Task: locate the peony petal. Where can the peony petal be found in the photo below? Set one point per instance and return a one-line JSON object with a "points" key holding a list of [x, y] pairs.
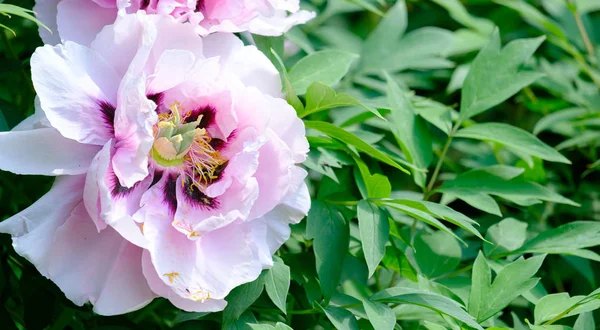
{"points": [[102, 268], [46, 11], [135, 115], [279, 23], [292, 209], [77, 91], [71, 15], [43, 152], [33, 228], [286, 124], [163, 290], [109, 203], [228, 257], [171, 70], [198, 214], [246, 62], [273, 174]]}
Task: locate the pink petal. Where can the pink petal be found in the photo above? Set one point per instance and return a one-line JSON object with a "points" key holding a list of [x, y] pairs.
{"points": [[292, 209], [109, 203], [46, 11], [163, 290], [102, 268], [81, 20], [43, 152], [246, 62], [33, 228], [77, 91], [273, 174], [134, 119], [194, 215]]}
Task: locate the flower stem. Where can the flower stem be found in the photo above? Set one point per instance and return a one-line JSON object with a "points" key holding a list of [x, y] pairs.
{"points": [[582, 31], [436, 172]]}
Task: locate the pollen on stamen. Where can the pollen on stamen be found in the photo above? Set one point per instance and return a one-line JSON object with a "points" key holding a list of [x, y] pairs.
{"points": [[171, 276]]}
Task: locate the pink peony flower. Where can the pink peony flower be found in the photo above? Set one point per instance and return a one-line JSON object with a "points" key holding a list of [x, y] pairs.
{"points": [[81, 20], [176, 163]]}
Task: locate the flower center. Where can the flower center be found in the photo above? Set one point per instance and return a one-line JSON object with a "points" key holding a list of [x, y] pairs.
{"points": [[186, 147]]}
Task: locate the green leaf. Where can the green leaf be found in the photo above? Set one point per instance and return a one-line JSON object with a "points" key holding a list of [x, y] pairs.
{"points": [[460, 14], [514, 138], [433, 301], [494, 75], [487, 298], [436, 253], [506, 235], [277, 283], [290, 95], [374, 233], [419, 212], [421, 49], [182, 316], [265, 44], [568, 239], [299, 38], [25, 13], [3, 123], [441, 212], [242, 323], [240, 298], [378, 47], [585, 321], [278, 326], [381, 316], [351, 139], [395, 260], [534, 17], [549, 121], [340, 318], [502, 181], [376, 185], [561, 305], [326, 66], [478, 200], [331, 235], [411, 131], [321, 97]]}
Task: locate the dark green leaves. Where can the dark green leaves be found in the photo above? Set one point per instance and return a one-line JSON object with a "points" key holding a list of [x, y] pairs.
{"points": [[351, 139], [571, 239], [495, 74], [487, 298], [330, 233], [320, 97], [277, 283], [428, 300], [327, 67], [240, 298], [475, 187], [374, 232], [410, 130], [513, 138]]}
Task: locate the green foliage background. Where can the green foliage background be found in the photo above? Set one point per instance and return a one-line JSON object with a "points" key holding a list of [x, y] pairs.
{"points": [[453, 169]]}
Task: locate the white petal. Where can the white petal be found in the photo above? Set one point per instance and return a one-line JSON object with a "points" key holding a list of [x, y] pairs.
{"points": [[163, 290], [46, 11], [73, 84], [102, 268], [251, 66], [107, 207], [81, 20], [43, 152], [33, 228]]}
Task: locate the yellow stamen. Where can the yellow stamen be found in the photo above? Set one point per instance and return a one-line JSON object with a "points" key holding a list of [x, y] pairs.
{"points": [[171, 276]]}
